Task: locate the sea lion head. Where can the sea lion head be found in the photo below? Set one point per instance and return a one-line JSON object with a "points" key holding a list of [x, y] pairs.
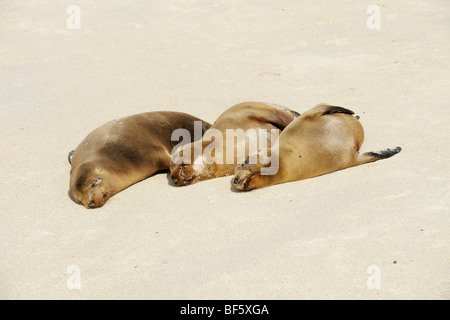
{"points": [[89, 185], [247, 176], [186, 174], [183, 174], [186, 164]]}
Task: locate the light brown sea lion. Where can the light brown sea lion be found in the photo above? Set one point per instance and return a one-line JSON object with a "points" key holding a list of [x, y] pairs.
{"points": [[322, 140], [124, 151], [243, 117]]}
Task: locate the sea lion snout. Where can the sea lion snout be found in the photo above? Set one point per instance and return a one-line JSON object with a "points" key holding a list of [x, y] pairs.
{"points": [[97, 203], [96, 193], [239, 183], [89, 186], [243, 182], [183, 174], [94, 196], [244, 175]]}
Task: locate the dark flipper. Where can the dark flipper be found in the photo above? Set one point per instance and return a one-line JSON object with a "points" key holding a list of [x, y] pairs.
{"points": [[324, 109], [335, 109], [383, 154], [70, 156], [375, 156]]}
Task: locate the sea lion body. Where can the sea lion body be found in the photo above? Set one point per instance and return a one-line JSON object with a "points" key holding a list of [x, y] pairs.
{"points": [[123, 152], [244, 116], [322, 140]]}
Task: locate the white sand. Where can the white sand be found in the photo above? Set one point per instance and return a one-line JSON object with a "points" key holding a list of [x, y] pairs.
{"points": [[302, 240]]}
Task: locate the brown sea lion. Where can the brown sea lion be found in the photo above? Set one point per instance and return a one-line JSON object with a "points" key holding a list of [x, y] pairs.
{"points": [[124, 151], [240, 119], [322, 140]]}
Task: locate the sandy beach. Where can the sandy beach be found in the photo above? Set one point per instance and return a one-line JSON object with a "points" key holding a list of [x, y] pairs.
{"points": [[376, 231]]}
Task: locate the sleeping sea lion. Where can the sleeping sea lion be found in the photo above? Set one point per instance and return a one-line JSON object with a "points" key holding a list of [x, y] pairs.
{"points": [[322, 140], [123, 152], [211, 158]]}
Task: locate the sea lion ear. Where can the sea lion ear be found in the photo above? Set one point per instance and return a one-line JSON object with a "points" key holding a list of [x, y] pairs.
{"points": [[97, 182]]}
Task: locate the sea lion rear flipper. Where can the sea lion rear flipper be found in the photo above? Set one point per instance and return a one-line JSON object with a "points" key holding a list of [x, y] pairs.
{"points": [[324, 109], [336, 109], [375, 156]]}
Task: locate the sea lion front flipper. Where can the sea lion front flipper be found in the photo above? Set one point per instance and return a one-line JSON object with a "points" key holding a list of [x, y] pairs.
{"points": [[277, 115], [324, 109], [70, 156]]}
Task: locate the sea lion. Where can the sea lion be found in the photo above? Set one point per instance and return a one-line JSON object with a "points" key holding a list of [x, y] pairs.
{"points": [[241, 117], [322, 140], [124, 151]]}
